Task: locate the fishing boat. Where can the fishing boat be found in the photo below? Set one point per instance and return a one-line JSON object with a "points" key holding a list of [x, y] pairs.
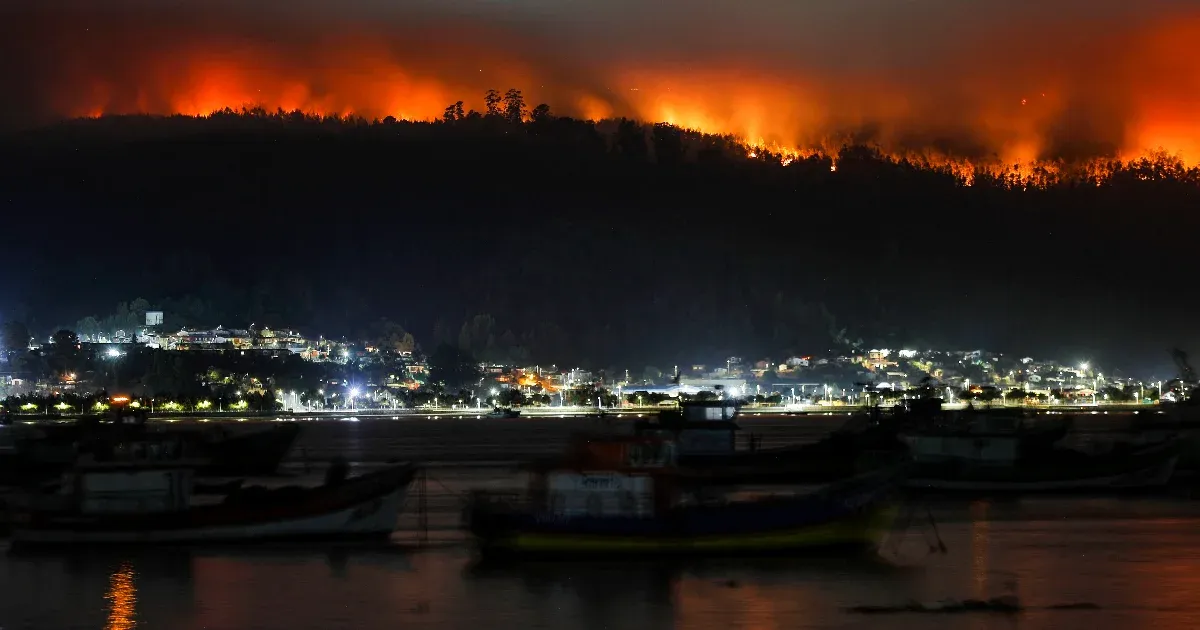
{"points": [[707, 434], [983, 437], [35, 453], [626, 495], [703, 428], [1052, 471], [143, 492], [990, 453]]}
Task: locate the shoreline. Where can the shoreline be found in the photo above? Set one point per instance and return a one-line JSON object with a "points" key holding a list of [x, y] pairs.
{"points": [[565, 412]]}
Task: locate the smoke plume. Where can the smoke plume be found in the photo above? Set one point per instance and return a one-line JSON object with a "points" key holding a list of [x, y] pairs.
{"points": [[1007, 82]]}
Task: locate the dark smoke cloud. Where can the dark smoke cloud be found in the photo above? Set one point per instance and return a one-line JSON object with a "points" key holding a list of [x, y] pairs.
{"points": [[1069, 79]]}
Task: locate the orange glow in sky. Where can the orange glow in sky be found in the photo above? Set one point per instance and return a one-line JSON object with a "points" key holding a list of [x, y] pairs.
{"points": [[1013, 107]]}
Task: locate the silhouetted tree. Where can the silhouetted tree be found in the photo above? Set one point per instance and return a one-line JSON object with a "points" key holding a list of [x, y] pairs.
{"points": [[390, 336], [589, 396], [89, 327], [454, 112], [668, 144], [514, 106], [492, 100], [14, 337], [453, 368], [541, 113], [65, 341], [64, 352], [631, 140], [510, 397]]}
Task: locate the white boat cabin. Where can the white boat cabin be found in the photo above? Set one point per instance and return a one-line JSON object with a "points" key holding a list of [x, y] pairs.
{"points": [[133, 477], [133, 491], [709, 411], [986, 439], [608, 477], [698, 427], [599, 494]]}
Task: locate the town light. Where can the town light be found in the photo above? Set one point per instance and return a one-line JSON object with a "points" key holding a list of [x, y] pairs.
{"points": [[113, 353], [353, 392]]}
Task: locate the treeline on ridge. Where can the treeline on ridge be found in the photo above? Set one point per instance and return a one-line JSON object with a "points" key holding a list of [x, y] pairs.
{"points": [[510, 124]]}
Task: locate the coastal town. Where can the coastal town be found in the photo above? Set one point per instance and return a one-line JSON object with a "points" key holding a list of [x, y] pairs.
{"points": [[261, 369]]}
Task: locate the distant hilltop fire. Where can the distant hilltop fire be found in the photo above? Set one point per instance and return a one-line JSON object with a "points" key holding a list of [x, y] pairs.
{"points": [[1112, 94]]}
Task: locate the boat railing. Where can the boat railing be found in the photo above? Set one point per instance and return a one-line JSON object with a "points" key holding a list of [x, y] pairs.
{"points": [[566, 503]]}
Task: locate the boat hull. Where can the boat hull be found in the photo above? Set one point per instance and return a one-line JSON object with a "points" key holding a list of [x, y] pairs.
{"points": [[861, 533], [853, 513], [1152, 467], [254, 453], [837, 456], [361, 508]]}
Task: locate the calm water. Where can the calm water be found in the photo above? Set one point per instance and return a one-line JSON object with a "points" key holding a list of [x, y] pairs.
{"points": [[1138, 559]]}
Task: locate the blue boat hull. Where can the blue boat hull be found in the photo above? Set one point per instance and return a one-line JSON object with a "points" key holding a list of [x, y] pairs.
{"points": [[855, 513]]}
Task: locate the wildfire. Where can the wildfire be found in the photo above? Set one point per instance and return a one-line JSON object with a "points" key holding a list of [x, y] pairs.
{"points": [[1028, 117]]}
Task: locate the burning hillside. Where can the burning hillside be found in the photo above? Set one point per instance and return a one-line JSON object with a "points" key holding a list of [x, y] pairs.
{"points": [[1042, 95]]}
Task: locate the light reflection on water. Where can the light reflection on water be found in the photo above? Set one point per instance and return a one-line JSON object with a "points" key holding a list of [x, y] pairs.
{"points": [[1138, 559], [979, 549], [122, 599]]}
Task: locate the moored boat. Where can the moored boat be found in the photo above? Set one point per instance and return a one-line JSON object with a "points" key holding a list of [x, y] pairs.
{"points": [[142, 493], [987, 453], [504, 412], [1053, 471], [862, 444], [30, 453], [625, 494]]}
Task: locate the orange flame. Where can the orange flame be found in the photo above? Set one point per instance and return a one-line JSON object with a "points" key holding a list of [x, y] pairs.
{"points": [[1022, 113]]}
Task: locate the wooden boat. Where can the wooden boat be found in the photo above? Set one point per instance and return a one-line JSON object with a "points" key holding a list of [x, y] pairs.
{"points": [[36, 453], [699, 429], [983, 437], [625, 494], [142, 493], [862, 444], [1052, 471], [1009, 453]]}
